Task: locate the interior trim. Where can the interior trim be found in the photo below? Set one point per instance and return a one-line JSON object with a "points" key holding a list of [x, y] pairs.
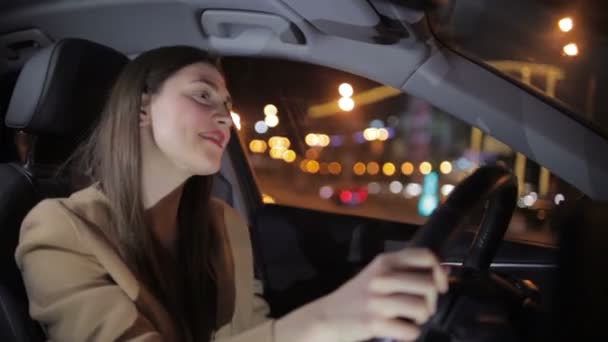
{"points": [[506, 265], [510, 114]]}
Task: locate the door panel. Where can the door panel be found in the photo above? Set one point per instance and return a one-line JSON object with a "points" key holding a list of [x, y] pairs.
{"points": [[303, 254]]}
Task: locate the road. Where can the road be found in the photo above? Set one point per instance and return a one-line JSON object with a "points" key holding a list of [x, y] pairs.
{"points": [[299, 192]]}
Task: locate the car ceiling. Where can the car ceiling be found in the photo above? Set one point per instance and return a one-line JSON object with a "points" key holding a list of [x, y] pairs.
{"points": [[378, 39]]}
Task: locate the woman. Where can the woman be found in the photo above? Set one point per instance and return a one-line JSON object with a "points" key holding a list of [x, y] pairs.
{"points": [[145, 254]]}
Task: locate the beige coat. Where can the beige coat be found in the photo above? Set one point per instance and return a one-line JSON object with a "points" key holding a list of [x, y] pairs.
{"points": [[80, 289]]}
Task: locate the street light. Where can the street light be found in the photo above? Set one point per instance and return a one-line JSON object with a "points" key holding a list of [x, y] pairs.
{"points": [[346, 104], [565, 24], [345, 90], [571, 49]]}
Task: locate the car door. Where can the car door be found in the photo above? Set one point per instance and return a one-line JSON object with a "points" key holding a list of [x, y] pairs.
{"points": [[343, 168]]}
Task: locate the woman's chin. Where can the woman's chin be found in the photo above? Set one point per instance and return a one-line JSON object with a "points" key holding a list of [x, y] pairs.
{"points": [[206, 169]]}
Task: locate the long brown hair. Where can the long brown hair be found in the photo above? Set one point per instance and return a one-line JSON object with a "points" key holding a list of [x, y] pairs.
{"points": [[112, 157]]}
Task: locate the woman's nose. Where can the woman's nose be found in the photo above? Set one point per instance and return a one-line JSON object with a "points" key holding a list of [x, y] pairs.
{"points": [[223, 118]]}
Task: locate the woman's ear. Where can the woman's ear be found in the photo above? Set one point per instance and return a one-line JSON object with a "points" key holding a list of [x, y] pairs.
{"points": [[145, 119]]}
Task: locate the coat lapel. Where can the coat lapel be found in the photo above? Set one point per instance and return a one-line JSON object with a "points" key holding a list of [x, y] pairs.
{"points": [[94, 216], [224, 267], [239, 242]]}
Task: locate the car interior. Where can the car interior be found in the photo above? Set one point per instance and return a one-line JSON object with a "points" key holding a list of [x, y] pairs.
{"points": [[59, 59]]}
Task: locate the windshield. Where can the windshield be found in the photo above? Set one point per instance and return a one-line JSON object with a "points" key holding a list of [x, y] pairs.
{"points": [[558, 48]]}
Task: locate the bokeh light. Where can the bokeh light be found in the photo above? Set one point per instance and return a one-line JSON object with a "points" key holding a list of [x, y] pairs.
{"points": [[445, 167], [268, 199], [289, 156], [373, 188], [566, 24], [395, 187], [571, 49], [345, 90], [428, 203], [312, 153], [335, 168], [279, 142], [389, 169], [426, 168], [271, 110], [412, 190], [446, 189], [370, 134], [359, 168], [261, 127], [312, 166], [315, 139], [346, 104], [530, 199], [324, 140], [382, 134], [312, 139], [277, 152], [326, 192], [271, 120], [257, 146], [373, 168], [407, 168], [377, 123]]}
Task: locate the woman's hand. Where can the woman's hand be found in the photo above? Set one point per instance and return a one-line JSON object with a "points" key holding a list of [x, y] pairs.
{"points": [[397, 285]]}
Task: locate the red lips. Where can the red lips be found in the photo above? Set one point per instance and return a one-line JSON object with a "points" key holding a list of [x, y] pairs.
{"points": [[216, 137]]}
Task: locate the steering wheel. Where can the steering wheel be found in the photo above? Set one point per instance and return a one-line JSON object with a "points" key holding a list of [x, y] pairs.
{"points": [[492, 185], [480, 305]]}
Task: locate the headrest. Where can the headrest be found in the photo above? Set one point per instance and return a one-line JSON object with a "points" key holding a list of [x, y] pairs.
{"points": [[62, 89]]}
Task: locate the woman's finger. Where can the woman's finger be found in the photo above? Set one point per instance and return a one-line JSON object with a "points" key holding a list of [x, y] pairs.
{"points": [[419, 258], [414, 257], [441, 278], [421, 284], [400, 306], [402, 282], [394, 329]]}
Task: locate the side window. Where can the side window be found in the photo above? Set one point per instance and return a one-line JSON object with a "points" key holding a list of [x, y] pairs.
{"points": [[328, 140]]}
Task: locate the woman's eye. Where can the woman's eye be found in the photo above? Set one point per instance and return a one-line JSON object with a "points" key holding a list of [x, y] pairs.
{"points": [[205, 95]]}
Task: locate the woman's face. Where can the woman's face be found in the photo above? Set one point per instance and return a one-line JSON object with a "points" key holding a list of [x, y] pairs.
{"points": [[190, 119]]}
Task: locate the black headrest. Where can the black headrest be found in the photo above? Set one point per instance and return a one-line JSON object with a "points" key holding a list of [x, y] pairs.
{"points": [[62, 89]]}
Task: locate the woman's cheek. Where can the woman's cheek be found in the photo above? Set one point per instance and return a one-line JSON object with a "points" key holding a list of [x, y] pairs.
{"points": [[198, 118]]}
